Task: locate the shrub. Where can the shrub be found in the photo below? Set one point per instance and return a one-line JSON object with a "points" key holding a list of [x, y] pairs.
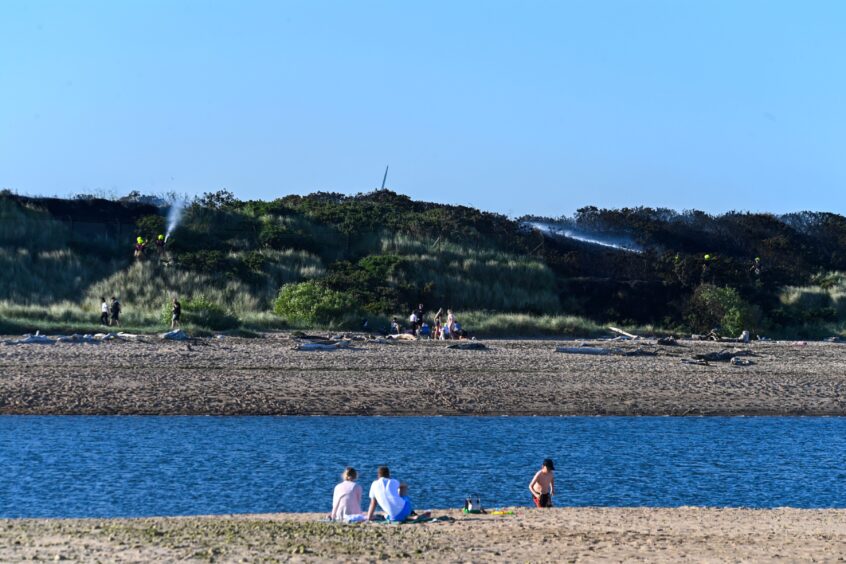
{"points": [[150, 227], [312, 303], [201, 311], [712, 306]]}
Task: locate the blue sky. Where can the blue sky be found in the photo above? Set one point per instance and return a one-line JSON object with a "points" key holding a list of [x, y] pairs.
{"points": [[515, 107]]}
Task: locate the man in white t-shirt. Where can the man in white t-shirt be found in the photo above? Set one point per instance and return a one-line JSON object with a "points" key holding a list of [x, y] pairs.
{"points": [[385, 491]]}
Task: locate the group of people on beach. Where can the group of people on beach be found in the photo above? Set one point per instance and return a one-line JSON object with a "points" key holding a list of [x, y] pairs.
{"points": [[110, 312], [391, 496], [441, 329]]}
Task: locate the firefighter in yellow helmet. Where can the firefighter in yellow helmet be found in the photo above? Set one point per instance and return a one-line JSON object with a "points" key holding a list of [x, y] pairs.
{"points": [[140, 245]]}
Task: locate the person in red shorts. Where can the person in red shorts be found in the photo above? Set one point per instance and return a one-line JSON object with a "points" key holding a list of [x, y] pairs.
{"points": [[542, 485]]}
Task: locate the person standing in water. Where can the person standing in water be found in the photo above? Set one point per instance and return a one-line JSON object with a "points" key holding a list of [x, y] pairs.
{"points": [[175, 313], [542, 485]]}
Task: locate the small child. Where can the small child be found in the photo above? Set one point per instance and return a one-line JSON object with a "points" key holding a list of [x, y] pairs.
{"points": [[542, 485]]}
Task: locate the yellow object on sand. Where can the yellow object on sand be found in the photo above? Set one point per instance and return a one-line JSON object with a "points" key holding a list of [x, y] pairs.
{"points": [[498, 512]]}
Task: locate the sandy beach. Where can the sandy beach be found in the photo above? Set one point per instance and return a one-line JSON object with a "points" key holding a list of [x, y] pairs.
{"points": [[557, 535], [265, 376]]}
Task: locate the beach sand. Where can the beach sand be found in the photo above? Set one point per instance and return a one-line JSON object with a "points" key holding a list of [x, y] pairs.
{"points": [[556, 535], [514, 377]]}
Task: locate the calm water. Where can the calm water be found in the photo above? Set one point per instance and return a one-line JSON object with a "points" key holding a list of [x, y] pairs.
{"points": [[135, 466]]}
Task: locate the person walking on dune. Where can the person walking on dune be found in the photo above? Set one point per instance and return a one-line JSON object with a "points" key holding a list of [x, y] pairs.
{"points": [[104, 312], [175, 314], [542, 485], [115, 312]]}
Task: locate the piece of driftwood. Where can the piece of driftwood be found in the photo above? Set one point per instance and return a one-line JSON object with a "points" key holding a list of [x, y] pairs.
{"points": [[468, 346], [667, 342], [403, 337], [724, 355], [37, 339], [322, 346], [584, 350], [639, 352], [623, 333], [695, 361]]}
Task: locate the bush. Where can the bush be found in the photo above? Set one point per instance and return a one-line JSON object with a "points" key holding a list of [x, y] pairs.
{"points": [[711, 307], [313, 303], [201, 311]]}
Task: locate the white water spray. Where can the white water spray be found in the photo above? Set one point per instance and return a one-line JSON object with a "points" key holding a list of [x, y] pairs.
{"points": [[585, 238], [173, 216]]}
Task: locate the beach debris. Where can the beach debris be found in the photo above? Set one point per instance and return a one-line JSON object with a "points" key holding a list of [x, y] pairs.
{"points": [[584, 350], [834, 339], [694, 361], [107, 336], [724, 355], [175, 335], [130, 336], [737, 361], [37, 339], [403, 337], [640, 351], [623, 333], [468, 346], [744, 337], [79, 339], [602, 351], [307, 337], [667, 342], [332, 346]]}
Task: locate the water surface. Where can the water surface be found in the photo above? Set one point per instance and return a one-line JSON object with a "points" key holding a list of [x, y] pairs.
{"points": [[76, 466]]}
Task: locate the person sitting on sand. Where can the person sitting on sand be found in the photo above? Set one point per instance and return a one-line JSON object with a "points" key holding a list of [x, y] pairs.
{"points": [[390, 495], [346, 499], [542, 485]]}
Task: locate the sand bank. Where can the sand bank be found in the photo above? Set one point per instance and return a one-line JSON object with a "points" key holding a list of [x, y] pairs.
{"points": [[520, 377], [557, 535]]}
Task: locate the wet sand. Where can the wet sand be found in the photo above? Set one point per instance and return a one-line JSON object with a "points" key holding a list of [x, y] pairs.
{"points": [[514, 377], [556, 535]]}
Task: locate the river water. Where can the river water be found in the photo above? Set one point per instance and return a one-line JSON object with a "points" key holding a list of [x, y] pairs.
{"points": [[52, 466]]}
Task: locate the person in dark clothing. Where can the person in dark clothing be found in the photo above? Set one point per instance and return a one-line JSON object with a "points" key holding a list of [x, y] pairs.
{"points": [[419, 314], [175, 313], [115, 311]]}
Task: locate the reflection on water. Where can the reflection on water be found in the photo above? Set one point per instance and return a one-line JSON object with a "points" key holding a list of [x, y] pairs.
{"points": [[132, 466]]}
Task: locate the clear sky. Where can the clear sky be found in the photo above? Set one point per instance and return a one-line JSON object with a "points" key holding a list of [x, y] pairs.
{"points": [[516, 107]]}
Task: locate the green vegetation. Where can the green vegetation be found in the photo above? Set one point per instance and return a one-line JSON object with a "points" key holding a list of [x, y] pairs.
{"points": [[328, 260]]}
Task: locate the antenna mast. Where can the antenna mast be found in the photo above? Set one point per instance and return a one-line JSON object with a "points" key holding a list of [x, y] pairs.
{"points": [[384, 178]]}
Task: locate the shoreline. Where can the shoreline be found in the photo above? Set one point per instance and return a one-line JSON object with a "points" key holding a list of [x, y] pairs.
{"points": [[553, 535], [519, 377]]}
